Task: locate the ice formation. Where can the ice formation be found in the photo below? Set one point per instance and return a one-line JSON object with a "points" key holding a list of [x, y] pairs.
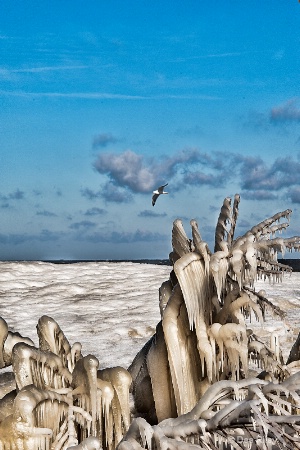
{"points": [[204, 380], [199, 366], [61, 399]]}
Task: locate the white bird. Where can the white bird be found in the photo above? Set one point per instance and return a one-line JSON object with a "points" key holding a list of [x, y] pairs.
{"points": [[158, 192]]}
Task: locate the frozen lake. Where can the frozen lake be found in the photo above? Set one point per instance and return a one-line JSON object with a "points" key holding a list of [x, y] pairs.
{"points": [[112, 308]]}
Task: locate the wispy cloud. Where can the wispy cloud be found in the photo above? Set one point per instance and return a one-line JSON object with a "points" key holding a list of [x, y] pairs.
{"points": [[46, 213], [75, 95], [288, 112], [103, 140], [83, 225], [114, 193], [18, 238], [279, 54], [256, 175], [90, 194], [258, 121], [285, 114], [48, 235], [193, 131], [16, 195], [117, 237], [294, 194], [201, 178], [259, 195], [95, 212], [105, 96], [45, 69], [110, 192], [149, 213], [221, 55], [12, 74], [81, 231], [210, 55]]}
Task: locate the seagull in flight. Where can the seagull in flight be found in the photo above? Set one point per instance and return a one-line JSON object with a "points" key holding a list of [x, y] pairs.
{"points": [[158, 192]]}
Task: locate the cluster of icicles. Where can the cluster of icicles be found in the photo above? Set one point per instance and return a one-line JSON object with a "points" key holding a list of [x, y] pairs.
{"points": [[58, 398], [202, 381]]}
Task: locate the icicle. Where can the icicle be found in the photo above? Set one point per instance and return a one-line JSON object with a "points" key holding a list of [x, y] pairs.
{"points": [[213, 334], [251, 257], [238, 264], [219, 267], [27, 363], [85, 375], [205, 350], [121, 380], [235, 341], [274, 344], [75, 355]]}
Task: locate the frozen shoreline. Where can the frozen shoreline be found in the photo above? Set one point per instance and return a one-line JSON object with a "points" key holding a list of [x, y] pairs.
{"points": [[292, 262]]}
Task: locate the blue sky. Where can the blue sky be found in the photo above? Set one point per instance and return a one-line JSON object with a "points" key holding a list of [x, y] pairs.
{"points": [[101, 102]]}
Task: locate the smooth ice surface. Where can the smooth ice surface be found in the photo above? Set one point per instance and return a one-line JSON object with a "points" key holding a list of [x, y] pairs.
{"points": [[112, 308]]}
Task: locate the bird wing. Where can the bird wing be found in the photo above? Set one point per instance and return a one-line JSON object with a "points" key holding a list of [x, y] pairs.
{"points": [[154, 198], [161, 188]]}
